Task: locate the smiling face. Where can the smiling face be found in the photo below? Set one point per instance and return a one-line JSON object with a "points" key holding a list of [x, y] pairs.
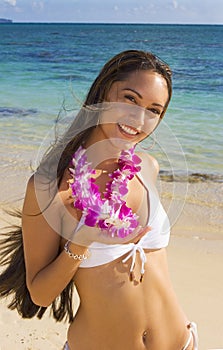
{"points": [[135, 107]]}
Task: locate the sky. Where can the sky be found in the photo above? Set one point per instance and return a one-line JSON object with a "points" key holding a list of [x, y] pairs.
{"points": [[114, 11]]}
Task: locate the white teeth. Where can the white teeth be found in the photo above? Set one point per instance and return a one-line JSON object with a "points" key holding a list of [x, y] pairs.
{"points": [[128, 130]]}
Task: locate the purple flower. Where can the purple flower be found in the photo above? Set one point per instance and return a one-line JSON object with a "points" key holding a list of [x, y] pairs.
{"points": [[109, 213], [91, 217]]}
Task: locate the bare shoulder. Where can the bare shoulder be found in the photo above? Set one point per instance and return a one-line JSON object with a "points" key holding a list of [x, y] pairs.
{"points": [[30, 184], [30, 203], [149, 165], [42, 205]]}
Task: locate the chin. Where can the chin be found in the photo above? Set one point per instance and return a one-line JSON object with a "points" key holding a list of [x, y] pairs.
{"points": [[122, 144]]}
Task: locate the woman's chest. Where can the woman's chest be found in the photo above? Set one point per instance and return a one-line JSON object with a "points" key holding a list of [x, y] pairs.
{"points": [[137, 197], [138, 200]]}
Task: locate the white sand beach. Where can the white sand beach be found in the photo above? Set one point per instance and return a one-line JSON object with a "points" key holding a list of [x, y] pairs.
{"points": [[195, 259]]}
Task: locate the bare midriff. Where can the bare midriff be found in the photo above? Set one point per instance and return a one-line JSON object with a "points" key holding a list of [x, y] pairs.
{"points": [[118, 314]]}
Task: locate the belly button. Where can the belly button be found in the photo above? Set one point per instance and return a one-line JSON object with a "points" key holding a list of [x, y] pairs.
{"points": [[144, 336]]}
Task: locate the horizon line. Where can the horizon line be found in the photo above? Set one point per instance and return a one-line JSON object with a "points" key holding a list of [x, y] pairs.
{"points": [[108, 23]]}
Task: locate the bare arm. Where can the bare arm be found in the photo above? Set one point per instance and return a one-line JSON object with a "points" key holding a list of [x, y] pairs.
{"points": [[48, 270]]}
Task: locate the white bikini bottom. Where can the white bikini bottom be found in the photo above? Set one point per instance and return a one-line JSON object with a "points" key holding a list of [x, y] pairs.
{"points": [[66, 346], [193, 335]]}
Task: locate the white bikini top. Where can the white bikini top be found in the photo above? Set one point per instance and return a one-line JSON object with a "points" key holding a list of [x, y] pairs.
{"points": [[156, 238]]}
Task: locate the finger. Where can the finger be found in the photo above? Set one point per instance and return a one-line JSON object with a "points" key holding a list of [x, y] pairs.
{"points": [[143, 231], [87, 235]]}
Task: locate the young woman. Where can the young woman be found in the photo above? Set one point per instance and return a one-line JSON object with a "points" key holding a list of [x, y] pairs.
{"points": [[92, 217]]}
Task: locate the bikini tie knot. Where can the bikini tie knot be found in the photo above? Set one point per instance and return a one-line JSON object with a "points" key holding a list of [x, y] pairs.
{"points": [[136, 248]]}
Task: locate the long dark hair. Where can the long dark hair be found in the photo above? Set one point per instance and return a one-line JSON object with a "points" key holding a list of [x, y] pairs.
{"points": [[13, 277]]}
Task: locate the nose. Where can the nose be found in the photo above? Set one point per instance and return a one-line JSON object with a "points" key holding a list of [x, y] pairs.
{"points": [[137, 117]]}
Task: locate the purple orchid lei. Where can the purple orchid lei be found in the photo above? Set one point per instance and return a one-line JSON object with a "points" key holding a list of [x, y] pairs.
{"points": [[109, 213]]}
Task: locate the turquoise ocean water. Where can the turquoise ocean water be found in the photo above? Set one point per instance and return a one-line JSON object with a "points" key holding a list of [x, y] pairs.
{"points": [[43, 65]]}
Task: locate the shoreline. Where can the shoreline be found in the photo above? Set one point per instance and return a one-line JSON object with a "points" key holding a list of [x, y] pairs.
{"points": [[179, 160], [191, 177]]}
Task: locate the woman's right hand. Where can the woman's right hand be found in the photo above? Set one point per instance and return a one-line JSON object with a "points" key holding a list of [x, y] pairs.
{"points": [[86, 235]]}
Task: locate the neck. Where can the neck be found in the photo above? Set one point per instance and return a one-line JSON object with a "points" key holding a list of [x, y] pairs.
{"points": [[107, 167], [102, 154]]}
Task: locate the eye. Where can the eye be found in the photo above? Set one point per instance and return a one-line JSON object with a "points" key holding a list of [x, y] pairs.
{"points": [[155, 111], [130, 98]]}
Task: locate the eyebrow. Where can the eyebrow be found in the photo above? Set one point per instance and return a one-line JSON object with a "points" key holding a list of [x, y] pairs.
{"points": [[140, 96]]}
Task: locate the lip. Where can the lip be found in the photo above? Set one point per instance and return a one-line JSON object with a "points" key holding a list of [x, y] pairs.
{"points": [[127, 131]]}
